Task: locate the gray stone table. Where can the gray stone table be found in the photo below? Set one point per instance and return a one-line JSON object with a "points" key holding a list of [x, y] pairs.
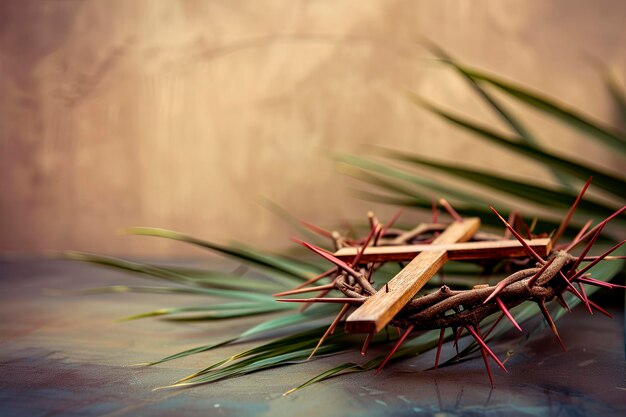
{"points": [[65, 356]]}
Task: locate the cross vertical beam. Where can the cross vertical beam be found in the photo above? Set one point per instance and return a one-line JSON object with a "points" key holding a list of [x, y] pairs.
{"points": [[375, 313]]}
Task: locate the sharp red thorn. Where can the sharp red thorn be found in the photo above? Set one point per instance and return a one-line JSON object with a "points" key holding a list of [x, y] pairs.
{"points": [[546, 315], [395, 348], [601, 310], [316, 229], [316, 278], [366, 344], [529, 235], [482, 343], [330, 329], [493, 326], [439, 345], [304, 290], [598, 259], [584, 294], [451, 211], [518, 237], [508, 313], [570, 213], [435, 212], [392, 221], [323, 300], [606, 258], [329, 257], [511, 221], [319, 297], [562, 301], [593, 230], [571, 287], [535, 277], [375, 231], [456, 338], [484, 355], [501, 285], [583, 230], [587, 248], [598, 283]]}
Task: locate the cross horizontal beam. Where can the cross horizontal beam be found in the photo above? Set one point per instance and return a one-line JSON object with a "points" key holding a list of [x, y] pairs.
{"points": [[456, 251]]}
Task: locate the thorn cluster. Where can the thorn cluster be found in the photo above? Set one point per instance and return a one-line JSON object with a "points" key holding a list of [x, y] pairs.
{"points": [[548, 279]]}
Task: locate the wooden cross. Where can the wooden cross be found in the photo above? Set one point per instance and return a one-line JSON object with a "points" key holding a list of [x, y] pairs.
{"points": [[425, 260]]}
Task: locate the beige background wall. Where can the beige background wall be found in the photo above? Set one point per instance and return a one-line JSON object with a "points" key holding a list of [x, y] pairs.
{"points": [[180, 113]]}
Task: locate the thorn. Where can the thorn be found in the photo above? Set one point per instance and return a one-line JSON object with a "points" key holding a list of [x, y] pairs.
{"points": [[571, 287], [392, 221], [601, 310], [329, 257], [444, 203], [484, 355], [493, 326], [316, 278], [529, 234], [583, 230], [323, 300], [598, 259], [586, 250], [316, 229], [570, 213], [318, 299], [518, 237], [482, 343], [375, 231], [535, 277], [435, 211], [606, 258], [372, 219], [330, 329], [511, 220], [395, 348], [593, 230], [596, 282], [439, 345], [562, 301], [304, 290], [508, 313], [368, 339], [456, 339], [584, 294], [546, 315], [501, 285]]}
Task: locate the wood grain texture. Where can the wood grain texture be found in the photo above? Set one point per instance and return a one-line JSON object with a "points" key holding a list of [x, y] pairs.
{"points": [[456, 251], [381, 307]]}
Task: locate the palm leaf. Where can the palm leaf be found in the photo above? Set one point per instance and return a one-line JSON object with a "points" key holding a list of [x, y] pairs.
{"points": [[542, 196], [499, 109], [284, 270], [602, 179], [610, 136]]}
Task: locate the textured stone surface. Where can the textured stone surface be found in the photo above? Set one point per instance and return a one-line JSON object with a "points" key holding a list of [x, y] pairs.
{"points": [[63, 356]]}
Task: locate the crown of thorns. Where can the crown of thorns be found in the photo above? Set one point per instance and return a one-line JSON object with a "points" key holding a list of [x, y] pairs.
{"points": [[534, 278]]}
